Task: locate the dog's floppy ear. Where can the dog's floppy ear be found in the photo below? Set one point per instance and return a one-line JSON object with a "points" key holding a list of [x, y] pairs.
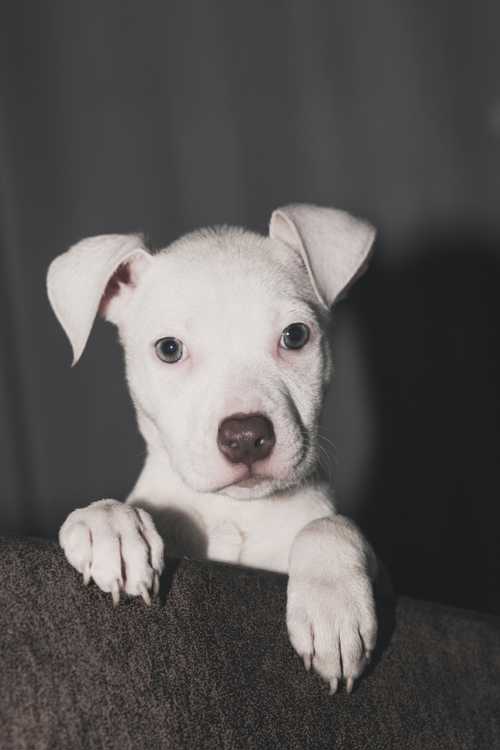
{"points": [[96, 274], [335, 246]]}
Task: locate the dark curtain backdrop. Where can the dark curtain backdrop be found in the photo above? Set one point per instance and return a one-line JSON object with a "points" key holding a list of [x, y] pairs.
{"points": [[160, 117]]}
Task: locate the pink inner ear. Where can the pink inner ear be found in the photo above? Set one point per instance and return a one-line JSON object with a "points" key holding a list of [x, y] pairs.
{"points": [[122, 275]]}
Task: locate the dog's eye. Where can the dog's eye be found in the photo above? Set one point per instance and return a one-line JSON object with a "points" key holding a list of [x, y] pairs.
{"points": [[169, 349], [295, 336]]}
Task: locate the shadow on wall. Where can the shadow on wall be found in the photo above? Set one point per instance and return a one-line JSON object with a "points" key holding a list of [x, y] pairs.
{"points": [[431, 342]]}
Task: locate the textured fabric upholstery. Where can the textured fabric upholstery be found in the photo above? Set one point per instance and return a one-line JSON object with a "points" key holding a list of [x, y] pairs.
{"points": [[209, 666]]}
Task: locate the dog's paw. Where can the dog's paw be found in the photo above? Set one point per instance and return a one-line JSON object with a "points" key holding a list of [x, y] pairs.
{"points": [[117, 546], [332, 625]]}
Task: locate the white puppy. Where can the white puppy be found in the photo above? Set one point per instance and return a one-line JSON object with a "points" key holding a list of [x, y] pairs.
{"points": [[227, 361]]}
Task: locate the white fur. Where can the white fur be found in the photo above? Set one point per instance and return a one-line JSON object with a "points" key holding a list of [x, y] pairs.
{"points": [[228, 294]]}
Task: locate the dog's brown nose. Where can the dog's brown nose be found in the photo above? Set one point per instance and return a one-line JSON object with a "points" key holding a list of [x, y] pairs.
{"points": [[246, 438]]}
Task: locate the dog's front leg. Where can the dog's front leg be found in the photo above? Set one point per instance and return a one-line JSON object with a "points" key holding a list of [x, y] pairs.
{"points": [[330, 609], [117, 546]]}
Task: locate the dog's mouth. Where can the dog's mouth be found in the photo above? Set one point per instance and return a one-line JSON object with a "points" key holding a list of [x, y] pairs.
{"points": [[252, 480], [256, 480], [248, 481]]}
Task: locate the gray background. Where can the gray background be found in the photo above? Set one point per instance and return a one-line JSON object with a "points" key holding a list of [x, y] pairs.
{"points": [[164, 116]]}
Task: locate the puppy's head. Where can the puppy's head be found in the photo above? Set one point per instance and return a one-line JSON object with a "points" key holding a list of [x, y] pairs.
{"points": [[224, 338]]}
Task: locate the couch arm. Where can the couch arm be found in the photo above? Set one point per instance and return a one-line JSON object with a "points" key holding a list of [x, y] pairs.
{"points": [[209, 666]]}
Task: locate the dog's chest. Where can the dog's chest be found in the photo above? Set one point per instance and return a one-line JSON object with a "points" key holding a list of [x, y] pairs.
{"points": [[237, 544], [257, 533], [261, 533]]}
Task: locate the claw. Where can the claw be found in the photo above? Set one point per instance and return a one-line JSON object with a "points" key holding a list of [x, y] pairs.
{"points": [[86, 574], [349, 684], [145, 594], [115, 593], [307, 661], [156, 584], [334, 683]]}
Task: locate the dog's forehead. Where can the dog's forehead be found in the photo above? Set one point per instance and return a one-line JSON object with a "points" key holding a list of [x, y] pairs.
{"points": [[226, 268], [219, 252]]}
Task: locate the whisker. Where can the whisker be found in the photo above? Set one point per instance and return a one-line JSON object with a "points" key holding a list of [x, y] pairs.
{"points": [[330, 446], [327, 440], [324, 461]]}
